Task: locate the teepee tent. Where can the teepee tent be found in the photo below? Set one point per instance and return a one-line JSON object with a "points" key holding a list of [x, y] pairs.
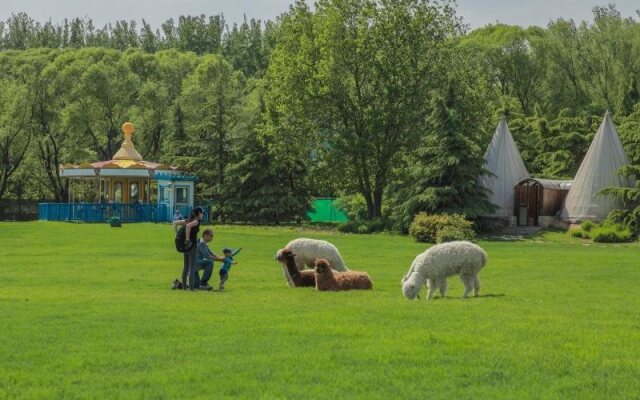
{"points": [[503, 160], [597, 171]]}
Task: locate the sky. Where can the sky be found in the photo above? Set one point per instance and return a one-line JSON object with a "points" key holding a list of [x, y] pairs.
{"points": [[476, 13]]}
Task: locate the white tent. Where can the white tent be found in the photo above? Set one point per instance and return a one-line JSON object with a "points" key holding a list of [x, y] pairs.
{"points": [[597, 171], [503, 160]]}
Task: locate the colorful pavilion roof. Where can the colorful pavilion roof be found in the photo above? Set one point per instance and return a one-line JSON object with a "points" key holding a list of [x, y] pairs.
{"points": [[127, 160]]}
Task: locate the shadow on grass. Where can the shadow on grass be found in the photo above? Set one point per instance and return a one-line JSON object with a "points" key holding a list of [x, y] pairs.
{"points": [[488, 295]]}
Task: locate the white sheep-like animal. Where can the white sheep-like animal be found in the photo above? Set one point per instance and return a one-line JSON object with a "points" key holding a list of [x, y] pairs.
{"points": [[307, 251], [441, 261]]}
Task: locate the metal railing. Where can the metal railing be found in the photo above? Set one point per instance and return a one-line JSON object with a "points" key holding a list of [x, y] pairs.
{"points": [[101, 212]]}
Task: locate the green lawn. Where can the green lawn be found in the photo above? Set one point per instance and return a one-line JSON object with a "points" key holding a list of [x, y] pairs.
{"points": [[86, 312]]}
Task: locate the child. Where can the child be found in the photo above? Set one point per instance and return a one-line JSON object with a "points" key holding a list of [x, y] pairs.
{"points": [[226, 265]]}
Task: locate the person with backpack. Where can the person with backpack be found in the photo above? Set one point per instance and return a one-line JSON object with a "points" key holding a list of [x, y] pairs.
{"points": [[186, 243]]}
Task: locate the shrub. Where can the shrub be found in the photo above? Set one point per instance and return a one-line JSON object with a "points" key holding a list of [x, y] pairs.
{"points": [[611, 234], [376, 225], [425, 227], [629, 219], [577, 233], [451, 233], [587, 225], [349, 227], [115, 222], [354, 206]]}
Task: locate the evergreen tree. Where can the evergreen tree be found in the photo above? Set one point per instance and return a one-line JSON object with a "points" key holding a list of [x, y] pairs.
{"points": [[263, 185], [444, 170]]}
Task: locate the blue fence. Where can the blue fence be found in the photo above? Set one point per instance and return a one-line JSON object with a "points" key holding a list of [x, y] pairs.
{"points": [[101, 212]]}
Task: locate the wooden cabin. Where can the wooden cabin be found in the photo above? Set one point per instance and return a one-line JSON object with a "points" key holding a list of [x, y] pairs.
{"points": [[537, 202]]}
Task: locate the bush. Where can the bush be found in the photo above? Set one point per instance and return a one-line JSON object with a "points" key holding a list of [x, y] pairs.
{"points": [[611, 234], [376, 225], [587, 225], [578, 233], [425, 227], [115, 222], [354, 206], [349, 227], [451, 233], [629, 219]]}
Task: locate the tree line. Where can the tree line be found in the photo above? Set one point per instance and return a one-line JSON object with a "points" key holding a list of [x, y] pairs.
{"points": [[388, 105]]}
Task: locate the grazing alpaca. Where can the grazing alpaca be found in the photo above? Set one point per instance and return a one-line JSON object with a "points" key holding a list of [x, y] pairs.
{"points": [[440, 261], [297, 278], [326, 279]]}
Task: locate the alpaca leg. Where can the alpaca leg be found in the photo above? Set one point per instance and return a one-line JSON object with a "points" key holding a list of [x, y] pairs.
{"points": [[442, 284], [468, 284], [431, 284], [476, 285], [287, 277]]}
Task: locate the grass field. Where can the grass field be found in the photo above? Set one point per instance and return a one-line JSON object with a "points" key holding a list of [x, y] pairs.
{"points": [[86, 313]]}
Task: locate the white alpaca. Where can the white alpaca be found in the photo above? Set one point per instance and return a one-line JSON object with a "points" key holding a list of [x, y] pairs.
{"points": [[441, 261], [307, 251]]}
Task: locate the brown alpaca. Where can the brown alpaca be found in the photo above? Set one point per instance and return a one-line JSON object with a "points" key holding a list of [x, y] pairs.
{"points": [[297, 278], [326, 279]]}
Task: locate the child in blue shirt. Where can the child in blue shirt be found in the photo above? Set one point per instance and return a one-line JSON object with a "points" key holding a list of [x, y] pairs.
{"points": [[226, 265]]}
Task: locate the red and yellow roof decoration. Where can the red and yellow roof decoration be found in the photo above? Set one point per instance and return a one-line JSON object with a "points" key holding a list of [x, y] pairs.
{"points": [[127, 158]]}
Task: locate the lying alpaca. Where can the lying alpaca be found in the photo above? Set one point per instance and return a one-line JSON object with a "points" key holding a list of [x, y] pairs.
{"points": [[307, 251], [440, 261], [326, 279], [297, 278]]}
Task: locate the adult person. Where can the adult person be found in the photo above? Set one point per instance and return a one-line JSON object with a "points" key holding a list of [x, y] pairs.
{"points": [[204, 260], [192, 226]]}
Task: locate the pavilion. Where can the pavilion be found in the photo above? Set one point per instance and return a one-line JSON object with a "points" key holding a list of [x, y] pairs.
{"points": [[126, 186]]}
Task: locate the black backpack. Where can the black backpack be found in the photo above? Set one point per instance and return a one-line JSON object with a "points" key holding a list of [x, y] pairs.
{"points": [[181, 240]]}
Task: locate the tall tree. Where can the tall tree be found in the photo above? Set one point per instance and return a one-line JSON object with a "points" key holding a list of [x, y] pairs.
{"points": [[443, 172], [261, 186], [15, 130], [100, 101], [372, 67], [210, 99]]}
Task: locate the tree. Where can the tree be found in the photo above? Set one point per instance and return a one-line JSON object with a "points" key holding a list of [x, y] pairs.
{"points": [[360, 72], [210, 99], [514, 61], [261, 186], [444, 169], [99, 101], [246, 47], [148, 40], [15, 130]]}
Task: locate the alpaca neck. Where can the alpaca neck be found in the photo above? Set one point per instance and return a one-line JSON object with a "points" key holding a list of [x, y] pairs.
{"points": [[292, 268], [326, 276]]}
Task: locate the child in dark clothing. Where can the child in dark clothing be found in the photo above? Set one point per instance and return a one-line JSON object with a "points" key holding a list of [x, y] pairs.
{"points": [[226, 265]]}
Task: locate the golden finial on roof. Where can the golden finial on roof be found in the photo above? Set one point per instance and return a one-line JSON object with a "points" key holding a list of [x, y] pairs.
{"points": [[127, 150], [128, 128]]}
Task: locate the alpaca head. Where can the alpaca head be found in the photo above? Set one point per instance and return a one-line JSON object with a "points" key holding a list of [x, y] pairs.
{"points": [[322, 266], [410, 286], [284, 254]]}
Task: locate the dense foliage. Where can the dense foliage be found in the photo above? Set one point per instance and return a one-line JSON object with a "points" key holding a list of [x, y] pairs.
{"points": [[392, 101], [440, 228]]}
